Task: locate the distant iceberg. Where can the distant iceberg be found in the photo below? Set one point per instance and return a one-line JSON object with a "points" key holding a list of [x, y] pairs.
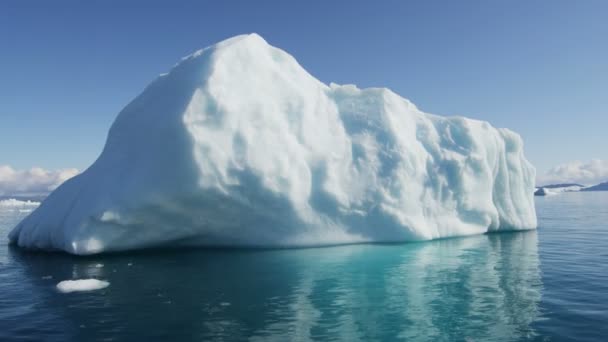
{"points": [[239, 146], [81, 285], [15, 203], [555, 189]]}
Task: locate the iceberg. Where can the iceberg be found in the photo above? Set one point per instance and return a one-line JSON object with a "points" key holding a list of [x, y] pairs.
{"points": [[80, 285], [238, 145], [16, 203], [556, 189]]}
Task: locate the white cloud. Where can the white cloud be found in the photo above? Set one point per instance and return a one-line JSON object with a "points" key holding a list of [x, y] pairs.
{"points": [[36, 181], [589, 173]]}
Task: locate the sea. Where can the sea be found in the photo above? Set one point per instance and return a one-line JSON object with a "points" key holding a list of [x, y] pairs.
{"points": [[550, 284]]}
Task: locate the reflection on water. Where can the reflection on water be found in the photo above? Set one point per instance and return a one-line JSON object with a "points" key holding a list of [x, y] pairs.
{"points": [[478, 288]]}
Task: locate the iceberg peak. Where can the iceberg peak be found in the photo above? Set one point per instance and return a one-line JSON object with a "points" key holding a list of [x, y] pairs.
{"points": [[242, 40], [238, 145]]}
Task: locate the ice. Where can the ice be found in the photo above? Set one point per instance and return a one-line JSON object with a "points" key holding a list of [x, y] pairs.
{"points": [[79, 285], [239, 146], [557, 189], [15, 203]]}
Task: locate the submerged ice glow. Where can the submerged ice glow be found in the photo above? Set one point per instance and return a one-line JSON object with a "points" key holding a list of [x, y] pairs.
{"points": [[239, 146]]}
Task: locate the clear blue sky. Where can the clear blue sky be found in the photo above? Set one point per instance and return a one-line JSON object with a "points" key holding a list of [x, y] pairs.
{"points": [[537, 67]]}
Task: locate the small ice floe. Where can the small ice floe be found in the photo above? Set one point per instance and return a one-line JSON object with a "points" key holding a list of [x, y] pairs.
{"points": [[15, 203], [224, 304], [99, 265], [47, 277], [68, 286], [130, 264]]}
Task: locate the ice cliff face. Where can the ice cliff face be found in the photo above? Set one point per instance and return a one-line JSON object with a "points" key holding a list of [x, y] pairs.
{"points": [[239, 146]]}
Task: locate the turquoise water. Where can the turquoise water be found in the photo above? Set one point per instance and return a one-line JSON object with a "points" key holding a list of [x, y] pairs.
{"points": [[545, 285]]}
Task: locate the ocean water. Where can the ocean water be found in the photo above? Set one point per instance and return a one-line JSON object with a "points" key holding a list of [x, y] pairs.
{"points": [[544, 285]]}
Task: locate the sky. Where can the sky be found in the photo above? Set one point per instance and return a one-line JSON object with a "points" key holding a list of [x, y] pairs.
{"points": [[539, 68]]}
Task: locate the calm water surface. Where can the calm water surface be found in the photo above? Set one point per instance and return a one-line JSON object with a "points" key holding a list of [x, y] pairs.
{"points": [[545, 285]]}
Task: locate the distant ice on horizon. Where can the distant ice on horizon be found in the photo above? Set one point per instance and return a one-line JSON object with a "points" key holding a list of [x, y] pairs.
{"points": [[238, 145], [15, 203]]}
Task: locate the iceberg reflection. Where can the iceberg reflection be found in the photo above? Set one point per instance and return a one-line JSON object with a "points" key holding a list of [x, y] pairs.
{"points": [[478, 288]]}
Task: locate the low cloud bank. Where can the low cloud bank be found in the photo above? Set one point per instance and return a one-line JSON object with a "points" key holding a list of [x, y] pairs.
{"points": [[586, 173], [33, 182]]}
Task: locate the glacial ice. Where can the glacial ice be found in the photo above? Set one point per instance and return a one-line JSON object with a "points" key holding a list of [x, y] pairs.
{"points": [[556, 190], [15, 203], [80, 285], [239, 146]]}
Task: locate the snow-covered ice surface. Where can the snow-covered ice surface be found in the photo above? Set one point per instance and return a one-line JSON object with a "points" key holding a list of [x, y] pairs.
{"points": [[239, 146], [571, 188], [80, 285]]}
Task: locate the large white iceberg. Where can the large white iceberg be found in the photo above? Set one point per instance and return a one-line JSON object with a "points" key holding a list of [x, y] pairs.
{"points": [[239, 146]]}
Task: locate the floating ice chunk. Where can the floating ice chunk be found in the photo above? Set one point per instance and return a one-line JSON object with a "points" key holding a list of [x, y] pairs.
{"points": [[68, 286], [239, 146], [551, 190]]}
